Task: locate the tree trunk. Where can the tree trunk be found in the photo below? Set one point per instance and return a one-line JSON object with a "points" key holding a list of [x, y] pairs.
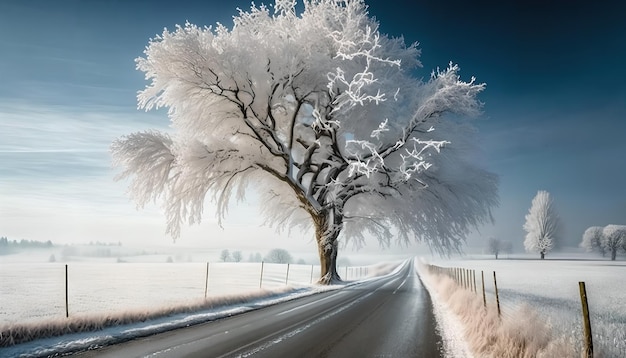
{"points": [[613, 254], [496, 255], [326, 234], [543, 255]]}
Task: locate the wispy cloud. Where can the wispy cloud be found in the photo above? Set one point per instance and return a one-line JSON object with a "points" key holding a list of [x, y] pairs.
{"points": [[39, 128], [57, 159]]}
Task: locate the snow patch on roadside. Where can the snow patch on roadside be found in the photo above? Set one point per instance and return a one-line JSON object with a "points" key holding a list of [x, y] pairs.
{"points": [[82, 341], [449, 326]]}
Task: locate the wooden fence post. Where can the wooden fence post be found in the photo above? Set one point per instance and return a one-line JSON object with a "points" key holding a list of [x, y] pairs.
{"points": [[474, 281], [482, 276], [586, 322], [311, 274], [495, 284], [67, 299], [463, 277], [206, 282], [261, 280], [287, 277]]}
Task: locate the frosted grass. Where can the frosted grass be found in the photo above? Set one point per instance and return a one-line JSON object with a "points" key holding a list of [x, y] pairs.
{"points": [[549, 288]]}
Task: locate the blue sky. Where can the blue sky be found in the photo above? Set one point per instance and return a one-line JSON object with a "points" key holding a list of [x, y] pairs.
{"points": [[555, 111]]}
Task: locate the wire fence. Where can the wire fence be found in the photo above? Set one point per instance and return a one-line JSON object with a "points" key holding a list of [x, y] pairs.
{"points": [[485, 284], [35, 292]]}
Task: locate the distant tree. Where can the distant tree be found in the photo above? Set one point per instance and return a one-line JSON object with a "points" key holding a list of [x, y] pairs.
{"points": [[592, 240], [237, 256], [4, 246], [542, 225], [278, 256], [325, 115], [301, 262], [52, 258], [613, 239], [225, 255], [258, 257], [495, 246], [169, 259]]}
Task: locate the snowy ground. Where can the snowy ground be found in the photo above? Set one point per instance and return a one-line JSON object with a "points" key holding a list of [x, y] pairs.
{"points": [[450, 327], [121, 333], [32, 292], [182, 282], [549, 289]]}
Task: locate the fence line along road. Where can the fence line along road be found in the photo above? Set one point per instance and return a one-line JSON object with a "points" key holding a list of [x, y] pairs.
{"points": [[34, 292], [463, 278]]}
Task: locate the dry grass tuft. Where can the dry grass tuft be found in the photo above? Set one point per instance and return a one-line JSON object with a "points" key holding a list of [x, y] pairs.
{"points": [[519, 333]]}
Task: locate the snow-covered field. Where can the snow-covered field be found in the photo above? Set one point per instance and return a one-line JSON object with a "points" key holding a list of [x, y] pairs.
{"points": [[233, 288], [550, 289], [33, 292]]}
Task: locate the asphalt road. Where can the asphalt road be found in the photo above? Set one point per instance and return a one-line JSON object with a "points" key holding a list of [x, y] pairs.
{"points": [[387, 317]]}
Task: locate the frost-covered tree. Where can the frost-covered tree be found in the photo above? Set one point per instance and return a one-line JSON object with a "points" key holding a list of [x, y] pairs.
{"points": [[592, 240], [225, 255], [237, 256], [278, 256], [613, 239], [323, 114], [496, 246], [542, 225]]}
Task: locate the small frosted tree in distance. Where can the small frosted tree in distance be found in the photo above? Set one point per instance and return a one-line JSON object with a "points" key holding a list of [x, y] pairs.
{"points": [[237, 256], [496, 246], [592, 240], [324, 115], [225, 255], [278, 256], [542, 225], [613, 239]]}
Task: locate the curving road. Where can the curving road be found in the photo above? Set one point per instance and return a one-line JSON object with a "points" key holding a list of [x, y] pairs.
{"points": [[386, 317]]}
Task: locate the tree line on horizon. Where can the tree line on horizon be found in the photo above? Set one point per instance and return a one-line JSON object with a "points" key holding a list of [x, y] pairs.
{"points": [[7, 245], [278, 256]]}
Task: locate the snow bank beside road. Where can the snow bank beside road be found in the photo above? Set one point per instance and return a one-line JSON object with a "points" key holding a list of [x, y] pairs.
{"points": [[468, 325], [90, 333], [450, 327]]}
